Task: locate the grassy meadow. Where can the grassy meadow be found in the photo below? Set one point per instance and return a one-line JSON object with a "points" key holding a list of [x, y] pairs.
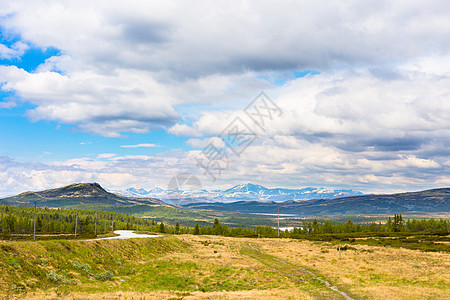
{"points": [[217, 267]]}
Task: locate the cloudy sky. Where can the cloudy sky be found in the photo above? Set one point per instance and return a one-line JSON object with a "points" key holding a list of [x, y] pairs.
{"points": [[130, 93]]}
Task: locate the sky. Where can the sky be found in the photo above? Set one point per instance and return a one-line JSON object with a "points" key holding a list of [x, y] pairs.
{"points": [[347, 94]]}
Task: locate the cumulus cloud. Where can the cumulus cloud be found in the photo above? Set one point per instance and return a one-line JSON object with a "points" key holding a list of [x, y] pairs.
{"points": [[125, 67], [375, 114], [357, 111], [351, 126], [16, 50], [184, 130], [140, 146], [202, 143], [127, 101], [106, 155]]}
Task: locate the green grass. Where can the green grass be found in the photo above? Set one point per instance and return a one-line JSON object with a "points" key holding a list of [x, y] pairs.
{"points": [[75, 265], [412, 241], [136, 265]]}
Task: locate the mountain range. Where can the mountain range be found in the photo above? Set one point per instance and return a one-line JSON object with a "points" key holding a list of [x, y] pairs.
{"points": [[429, 201], [243, 192]]}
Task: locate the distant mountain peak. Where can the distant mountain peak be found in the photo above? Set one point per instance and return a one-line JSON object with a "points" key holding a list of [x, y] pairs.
{"points": [[139, 191], [242, 192], [248, 187]]}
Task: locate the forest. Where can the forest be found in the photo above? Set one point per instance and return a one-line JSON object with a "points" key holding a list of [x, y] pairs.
{"points": [[20, 221]]}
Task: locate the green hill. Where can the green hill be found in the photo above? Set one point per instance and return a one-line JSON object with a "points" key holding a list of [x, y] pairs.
{"points": [[82, 193]]}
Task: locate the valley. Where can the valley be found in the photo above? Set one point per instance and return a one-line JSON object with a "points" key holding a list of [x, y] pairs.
{"points": [[220, 250]]}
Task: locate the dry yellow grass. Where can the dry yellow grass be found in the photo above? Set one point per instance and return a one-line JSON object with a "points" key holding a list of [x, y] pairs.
{"points": [[366, 272], [252, 294], [371, 272]]}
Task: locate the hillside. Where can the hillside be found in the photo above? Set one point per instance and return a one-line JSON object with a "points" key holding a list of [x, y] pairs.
{"points": [[74, 194], [437, 200], [217, 267]]}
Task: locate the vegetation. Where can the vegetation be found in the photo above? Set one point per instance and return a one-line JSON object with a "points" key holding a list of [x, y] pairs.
{"points": [[186, 217], [19, 221], [205, 267], [420, 234]]}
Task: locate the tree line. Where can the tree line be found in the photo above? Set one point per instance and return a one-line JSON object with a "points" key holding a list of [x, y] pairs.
{"points": [[392, 225], [395, 224], [20, 220]]}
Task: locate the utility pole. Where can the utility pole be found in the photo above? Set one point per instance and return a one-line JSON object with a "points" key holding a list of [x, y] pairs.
{"points": [[95, 224], [278, 221], [34, 227], [76, 224]]}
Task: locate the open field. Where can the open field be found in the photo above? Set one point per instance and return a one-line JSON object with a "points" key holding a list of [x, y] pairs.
{"points": [[216, 267]]}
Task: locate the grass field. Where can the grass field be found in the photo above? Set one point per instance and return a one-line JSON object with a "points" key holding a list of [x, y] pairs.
{"points": [[215, 267]]}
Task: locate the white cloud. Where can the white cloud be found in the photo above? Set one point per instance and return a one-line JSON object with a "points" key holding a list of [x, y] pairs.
{"points": [[202, 143], [16, 50], [184, 130], [140, 146], [106, 155], [376, 115], [356, 110], [125, 67], [412, 161], [103, 104]]}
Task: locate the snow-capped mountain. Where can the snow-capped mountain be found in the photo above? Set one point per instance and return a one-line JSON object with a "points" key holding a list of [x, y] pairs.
{"points": [[242, 192], [261, 193]]}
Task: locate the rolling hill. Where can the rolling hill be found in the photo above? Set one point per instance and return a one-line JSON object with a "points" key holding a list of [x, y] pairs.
{"points": [[82, 193], [429, 201]]}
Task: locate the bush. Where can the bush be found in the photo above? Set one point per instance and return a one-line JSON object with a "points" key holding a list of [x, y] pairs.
{"points": [[17, 288], [55, 277], [131, 271], [43, 262], [108, 275], [83, 267]]}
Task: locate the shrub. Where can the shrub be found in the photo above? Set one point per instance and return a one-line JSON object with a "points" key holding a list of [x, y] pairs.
{"points": [[108, 275], [43, 262], [83, 267], [17, 288], [55, 277]]}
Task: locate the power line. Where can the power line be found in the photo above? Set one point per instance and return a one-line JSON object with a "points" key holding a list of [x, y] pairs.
{"points": [[34, 227]]}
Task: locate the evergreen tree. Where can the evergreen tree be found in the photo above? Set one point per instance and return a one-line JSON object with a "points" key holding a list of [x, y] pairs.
{"points": [[39, 224], [315, 226], [217, 228], [196, 229]]}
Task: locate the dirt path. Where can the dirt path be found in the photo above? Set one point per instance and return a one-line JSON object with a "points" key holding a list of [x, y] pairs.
{"points": [[294, 272]]}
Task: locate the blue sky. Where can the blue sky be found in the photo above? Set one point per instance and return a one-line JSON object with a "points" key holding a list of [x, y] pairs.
{"points": [[131, 95]]}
